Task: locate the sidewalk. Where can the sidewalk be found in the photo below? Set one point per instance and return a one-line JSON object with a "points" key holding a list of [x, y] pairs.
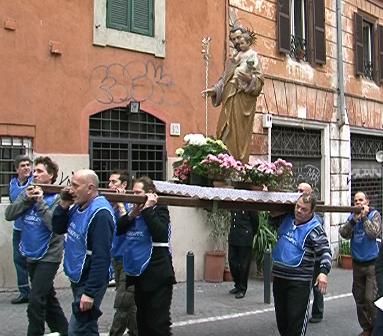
{"points": [[211, 300]]}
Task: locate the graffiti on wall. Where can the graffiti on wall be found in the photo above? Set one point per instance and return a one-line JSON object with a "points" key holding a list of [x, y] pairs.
{"points": [[140, 81], [64, 179]]}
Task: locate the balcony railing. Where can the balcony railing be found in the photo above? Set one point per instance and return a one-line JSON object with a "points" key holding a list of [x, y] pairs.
{"points": [[298, 48], [369, 70]]}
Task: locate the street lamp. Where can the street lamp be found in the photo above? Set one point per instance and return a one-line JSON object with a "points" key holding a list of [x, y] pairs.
{"points": [[379, 159]]}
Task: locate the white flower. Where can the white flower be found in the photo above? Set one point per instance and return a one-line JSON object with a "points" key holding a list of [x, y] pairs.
{"points": [[179, 151], [195, 139]]}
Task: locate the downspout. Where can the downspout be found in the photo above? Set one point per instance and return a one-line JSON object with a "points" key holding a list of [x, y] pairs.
{"points": [[342, 116]]}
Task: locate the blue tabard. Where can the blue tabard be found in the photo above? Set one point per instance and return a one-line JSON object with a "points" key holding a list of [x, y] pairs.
{"points": [[119, 242], [15, 189], [289, 249], [75, 248], [363, 248], [35, 236], [138, 248]]}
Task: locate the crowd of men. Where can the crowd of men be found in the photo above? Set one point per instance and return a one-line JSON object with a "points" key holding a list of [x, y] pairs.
{"points": [[134, 238], [96, 232]]}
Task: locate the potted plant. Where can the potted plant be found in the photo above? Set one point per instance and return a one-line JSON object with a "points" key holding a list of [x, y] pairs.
{"points": [[195, 149], [222, 167], [345, 258], [218, 221], [264, 239]]}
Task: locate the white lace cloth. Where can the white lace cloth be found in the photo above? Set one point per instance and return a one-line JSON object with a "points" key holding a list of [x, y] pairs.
{"points": [[225, 194]]}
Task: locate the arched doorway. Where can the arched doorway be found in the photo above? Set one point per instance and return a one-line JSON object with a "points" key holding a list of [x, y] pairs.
{"points": [[135, 142]]}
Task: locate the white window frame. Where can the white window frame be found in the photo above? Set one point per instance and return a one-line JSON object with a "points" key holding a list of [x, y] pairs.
{"points": [[104, 36], [303, 16]]}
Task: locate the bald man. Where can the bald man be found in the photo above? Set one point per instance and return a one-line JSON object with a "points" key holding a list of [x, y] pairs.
{"points": [[318, 303], [89, 225]]}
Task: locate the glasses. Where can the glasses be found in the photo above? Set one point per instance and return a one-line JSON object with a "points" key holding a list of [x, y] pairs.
{"points": [[300, 190]]}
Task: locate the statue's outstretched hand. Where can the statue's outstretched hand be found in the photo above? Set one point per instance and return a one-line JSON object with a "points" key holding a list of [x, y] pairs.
{"points": [[208, 92]]}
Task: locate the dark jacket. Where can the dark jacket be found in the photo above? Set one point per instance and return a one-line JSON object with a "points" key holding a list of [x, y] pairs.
{"points": [[244, 225], [160, 269], [379, 272]]}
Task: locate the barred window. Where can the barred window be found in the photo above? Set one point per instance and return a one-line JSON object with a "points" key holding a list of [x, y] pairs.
{"points": [[10, 147]]}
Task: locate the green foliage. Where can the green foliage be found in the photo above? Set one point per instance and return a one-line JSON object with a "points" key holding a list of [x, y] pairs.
{"points": [[344, 247], [218, 220], [264, 239]]}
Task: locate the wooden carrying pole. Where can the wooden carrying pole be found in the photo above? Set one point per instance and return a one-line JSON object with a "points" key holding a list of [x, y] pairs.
{"points": [[202, 203]]}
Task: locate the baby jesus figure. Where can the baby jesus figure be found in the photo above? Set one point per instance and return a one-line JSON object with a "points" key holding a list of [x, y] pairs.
{"points": [[246, 60]]}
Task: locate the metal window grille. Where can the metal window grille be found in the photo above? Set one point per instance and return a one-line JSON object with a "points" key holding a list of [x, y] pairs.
{"points": [[302, 148], [10, 147], [130, 141], [364, 147], [369, 178]]}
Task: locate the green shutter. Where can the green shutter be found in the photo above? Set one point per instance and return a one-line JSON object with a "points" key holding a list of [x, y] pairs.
{"points": [[142, 18], [117, 14]]}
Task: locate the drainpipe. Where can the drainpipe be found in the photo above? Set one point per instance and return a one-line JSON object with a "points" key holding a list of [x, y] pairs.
{"points": [[342, 116]]}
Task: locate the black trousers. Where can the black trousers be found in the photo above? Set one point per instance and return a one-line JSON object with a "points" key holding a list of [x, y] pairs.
{"points": [[291, 300], [153, 311], [318, 304], [43, 304], [239, 262]]}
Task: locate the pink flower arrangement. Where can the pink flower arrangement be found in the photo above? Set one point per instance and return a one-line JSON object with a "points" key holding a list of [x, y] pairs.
{"points": [[182, 172], [270, 174], [221, 166]]}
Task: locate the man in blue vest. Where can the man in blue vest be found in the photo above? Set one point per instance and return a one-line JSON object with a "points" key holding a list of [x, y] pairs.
{"points": [[363, 228], [125, 315], [318, 303], [17, 185], [301, 241], [89, 225], [42, 248]]}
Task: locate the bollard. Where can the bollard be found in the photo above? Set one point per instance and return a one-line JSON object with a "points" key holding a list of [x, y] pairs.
{"points": [[267, 276], [190, 283]]}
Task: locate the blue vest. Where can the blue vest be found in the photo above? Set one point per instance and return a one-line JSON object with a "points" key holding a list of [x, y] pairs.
{"points": [[35, 236], [15, 189], [138, 248], [289, 249], [363, 248], [119, 242], [77, 234]]}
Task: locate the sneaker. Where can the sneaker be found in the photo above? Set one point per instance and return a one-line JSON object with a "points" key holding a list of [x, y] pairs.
{"points": [[20, 299], [315, 319], [235, 290], [53, 334]]}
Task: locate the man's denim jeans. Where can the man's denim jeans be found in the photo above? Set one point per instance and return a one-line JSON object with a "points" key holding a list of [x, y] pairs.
{"points": [[89, 328], [21, 265]]}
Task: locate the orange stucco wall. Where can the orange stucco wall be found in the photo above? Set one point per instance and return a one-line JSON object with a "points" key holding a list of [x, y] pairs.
{"points": [[56, 94]]}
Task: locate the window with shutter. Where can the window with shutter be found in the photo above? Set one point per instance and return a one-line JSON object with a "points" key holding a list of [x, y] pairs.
{"points": [[358, 44], [137, 25], [142, 17], [284, 26], [134, 16], [319, 32], [380, 58], [117, 14]]}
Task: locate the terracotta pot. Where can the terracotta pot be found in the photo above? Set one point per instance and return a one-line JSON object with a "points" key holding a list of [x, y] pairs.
{"points": [[345, 261], [221, 184], [227, 274], [214, 266]]}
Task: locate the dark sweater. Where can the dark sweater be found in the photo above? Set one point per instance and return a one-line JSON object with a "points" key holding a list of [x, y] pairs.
{"points": [[316, 247], [99, 240], [160, 270]]}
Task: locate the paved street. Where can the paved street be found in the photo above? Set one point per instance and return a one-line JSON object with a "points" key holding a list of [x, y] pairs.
{"points": [[216, 311]]}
